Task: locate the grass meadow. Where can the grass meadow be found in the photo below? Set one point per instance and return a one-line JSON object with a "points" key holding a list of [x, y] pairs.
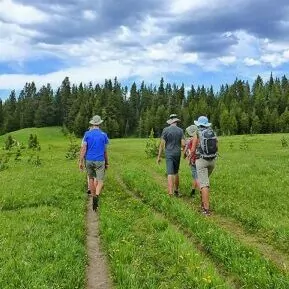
{"points": [[150, 240]]}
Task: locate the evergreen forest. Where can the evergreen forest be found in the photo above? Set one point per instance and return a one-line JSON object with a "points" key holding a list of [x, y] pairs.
{"points": [[134, 111]]}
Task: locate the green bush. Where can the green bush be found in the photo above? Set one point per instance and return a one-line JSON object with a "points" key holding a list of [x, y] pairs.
{"points": [[284, 142], [152, 146], [33, 142], [73, 148]]}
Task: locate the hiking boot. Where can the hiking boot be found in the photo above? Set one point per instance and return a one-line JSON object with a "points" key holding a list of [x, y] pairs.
{"points": [[95, 203], [206, 212], [193, 193], [177, 194]]}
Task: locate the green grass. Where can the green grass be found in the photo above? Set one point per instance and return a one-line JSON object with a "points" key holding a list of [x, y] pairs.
{"points": [[145, 179], [151, 241], [146, 251], [42, 218]]}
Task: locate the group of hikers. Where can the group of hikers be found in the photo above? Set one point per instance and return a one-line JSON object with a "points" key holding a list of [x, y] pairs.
{"points": [[199, 149]]}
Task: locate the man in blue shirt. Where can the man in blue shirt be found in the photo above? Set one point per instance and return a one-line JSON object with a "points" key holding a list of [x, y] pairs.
{"points": [[93, 156]]}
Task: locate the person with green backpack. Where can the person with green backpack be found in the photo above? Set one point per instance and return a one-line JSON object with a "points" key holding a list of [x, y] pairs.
{"points": [[205, 147]]}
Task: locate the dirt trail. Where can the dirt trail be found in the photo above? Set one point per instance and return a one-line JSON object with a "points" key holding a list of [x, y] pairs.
{"points": [[97, 275]]}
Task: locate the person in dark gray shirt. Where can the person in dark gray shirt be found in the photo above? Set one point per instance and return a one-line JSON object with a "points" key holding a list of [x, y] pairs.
{"points": [[173, 141]]}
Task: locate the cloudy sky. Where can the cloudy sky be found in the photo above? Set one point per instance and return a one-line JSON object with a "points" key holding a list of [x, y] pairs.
{"points": [[191, 41]]}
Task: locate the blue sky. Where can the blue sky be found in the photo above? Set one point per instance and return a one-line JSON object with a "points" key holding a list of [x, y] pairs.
{"points": [[203, 42]]}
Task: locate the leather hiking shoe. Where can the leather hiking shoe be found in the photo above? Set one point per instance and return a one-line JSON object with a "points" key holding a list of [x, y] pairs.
{"points": [[206, 212], [193, 192], [94, 203], [177, 194]]}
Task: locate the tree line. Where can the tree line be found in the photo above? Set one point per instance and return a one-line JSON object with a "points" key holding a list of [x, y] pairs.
{"points": [[236, 108]]}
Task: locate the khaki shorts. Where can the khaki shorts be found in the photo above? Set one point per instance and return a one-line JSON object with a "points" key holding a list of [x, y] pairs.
{"points": [[204, 170], [95, 169]]}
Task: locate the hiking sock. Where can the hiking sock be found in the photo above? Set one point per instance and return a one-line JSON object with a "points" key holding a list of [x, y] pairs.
{"points": [[206, 212], [95, 202], [177, 193], [193, 192]]}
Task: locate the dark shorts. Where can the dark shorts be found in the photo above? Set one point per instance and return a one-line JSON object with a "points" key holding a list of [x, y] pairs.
{"points": [[95, 169], [173, 164]]}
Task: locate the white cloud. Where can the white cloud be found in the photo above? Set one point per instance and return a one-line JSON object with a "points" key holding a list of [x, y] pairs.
{"points": [[150, 27], [21, 14], [274, 59], [227, 60], [183, 6], [251, 61], [15, 42], [124, 34], [89, 15], [286, 54], [145, 49], [247, 46], [76, 74]]}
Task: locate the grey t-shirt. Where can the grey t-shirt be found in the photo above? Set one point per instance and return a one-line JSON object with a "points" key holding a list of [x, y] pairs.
{"points": [[173, 136]]}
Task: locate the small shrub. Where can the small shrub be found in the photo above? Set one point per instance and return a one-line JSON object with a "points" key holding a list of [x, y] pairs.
{"points": [[18, 155], [152, 146], [231, 145], [4, 163], [284, 142], [34, 159], [244, 145], [9, 142], [73, 148], [33, 142]]}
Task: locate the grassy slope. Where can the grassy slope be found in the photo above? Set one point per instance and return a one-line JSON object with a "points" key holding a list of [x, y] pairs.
{"points": [[42, 218], [145, 178]]}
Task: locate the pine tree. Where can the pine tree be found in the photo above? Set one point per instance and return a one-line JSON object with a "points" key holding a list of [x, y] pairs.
{"points": [[11, 122]]}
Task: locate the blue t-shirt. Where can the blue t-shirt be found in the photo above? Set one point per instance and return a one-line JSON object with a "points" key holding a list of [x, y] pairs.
{"points": [[96, 141]]}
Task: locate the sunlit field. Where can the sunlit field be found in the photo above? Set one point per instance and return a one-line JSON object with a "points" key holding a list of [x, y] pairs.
{"points": [[150, 240]]}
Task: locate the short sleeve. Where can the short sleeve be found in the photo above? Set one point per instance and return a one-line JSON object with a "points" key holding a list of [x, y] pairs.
{"points": [[163, 135], [106, 139], [84, 140]]}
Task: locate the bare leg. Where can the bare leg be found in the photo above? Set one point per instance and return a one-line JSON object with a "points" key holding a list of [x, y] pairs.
{"points": [[92, 186], [98, 187], [170, 185], [205, 197], [177, 181]]}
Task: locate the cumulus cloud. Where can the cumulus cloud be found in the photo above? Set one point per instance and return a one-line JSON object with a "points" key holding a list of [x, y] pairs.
{"points": [[251, 61], [22, 14], [140, 39]]}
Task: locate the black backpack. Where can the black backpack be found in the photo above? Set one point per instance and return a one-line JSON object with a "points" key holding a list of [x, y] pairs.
{"points": [[207, 148]]}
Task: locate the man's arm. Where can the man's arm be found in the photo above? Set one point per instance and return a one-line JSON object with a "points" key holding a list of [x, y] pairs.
{"points": [[161, 147], [183, 144], [106, 159], [82, 155]]}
